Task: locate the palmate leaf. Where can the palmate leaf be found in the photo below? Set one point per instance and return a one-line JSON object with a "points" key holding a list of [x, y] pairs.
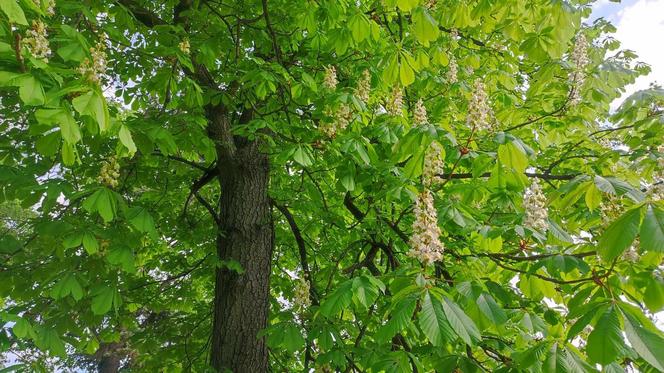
{"points": [[647, 343], [619, 235], [605, 342], [652, 229], [462, 325], [433, 322]]}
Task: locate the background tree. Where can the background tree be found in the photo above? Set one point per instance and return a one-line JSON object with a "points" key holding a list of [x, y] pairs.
{"points": [[370, 186]]}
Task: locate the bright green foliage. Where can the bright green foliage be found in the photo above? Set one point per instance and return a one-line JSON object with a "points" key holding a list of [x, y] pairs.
{"points": [[87, 265]]}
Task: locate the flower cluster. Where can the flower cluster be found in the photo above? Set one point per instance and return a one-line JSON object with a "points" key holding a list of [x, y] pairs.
{"points": [[580, 60], [50, 6], [420, 114], [479, 112], [425, 242], [609, 210], [301, 298], [364, 87], [93, 69], [342, 117], [534, 202], [394, 105], [37, 41], [453, 70], [632, 254], [433, 165], [110, 172], [184, 46], [330, 79]]}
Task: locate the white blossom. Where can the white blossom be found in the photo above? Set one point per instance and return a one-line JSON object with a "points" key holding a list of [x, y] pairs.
{"points": [[341, 118], [36, 41], [420, 113], [609, 210], [394, 105], [425, 243], [452, 71], [580, 60], [364, 87], [109, 173], [433, 165], [301, 295], [479, 111], [184, 46], [534, 202], [93, 69], [330, 78]]}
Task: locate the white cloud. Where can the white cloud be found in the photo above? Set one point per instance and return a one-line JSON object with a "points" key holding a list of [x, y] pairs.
{"points": [[640, 27]]}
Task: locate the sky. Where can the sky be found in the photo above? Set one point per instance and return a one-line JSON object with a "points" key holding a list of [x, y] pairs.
{"points": [[640, 25]]}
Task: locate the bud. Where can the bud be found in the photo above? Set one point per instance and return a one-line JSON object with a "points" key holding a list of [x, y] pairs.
{"points": [[36, 41], [534, 202], [425, 242], [394, 105], [330, 79]]}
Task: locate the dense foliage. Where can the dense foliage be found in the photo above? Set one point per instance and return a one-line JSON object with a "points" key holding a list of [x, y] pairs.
{"points": [[449, 190]]}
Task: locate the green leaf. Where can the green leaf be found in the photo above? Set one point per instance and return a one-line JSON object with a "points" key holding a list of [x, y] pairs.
{"points": [[293, 340], [407, 5], [302, 155], [399, 319], [433, 322], [126, 140], [103, 202], [653, 296], [90, 243], [103, 299], [49, 144], [13, 12], [67, 285], [652, 229], [513, 157], [141, 219], [123, 257], [462, 325], [31, 91], [48, 339], [413, 167], [491, 309], [94, 105], [338, 300], [424, 27], [365, 291], [619, 235], [605, 342], [593, 197], [23, 329], [648, 344], [555, 361], [406, 73]]}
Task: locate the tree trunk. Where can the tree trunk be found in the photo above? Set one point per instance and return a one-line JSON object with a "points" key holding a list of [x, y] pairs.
{"points": [[245, 236]]}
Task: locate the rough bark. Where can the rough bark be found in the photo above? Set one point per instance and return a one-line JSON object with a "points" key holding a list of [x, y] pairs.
{"points": [[109, 357], [245, 236]]}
